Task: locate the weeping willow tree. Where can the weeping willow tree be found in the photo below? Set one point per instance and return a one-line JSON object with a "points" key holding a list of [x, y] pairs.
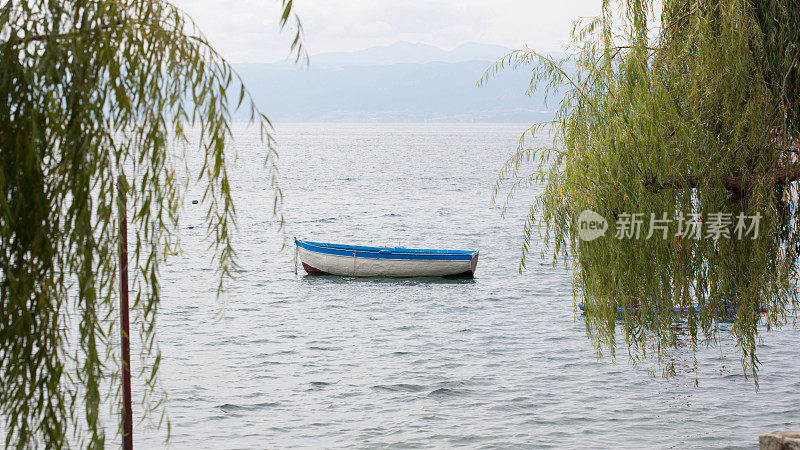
{"points": [[681, 120], [93, 90]]}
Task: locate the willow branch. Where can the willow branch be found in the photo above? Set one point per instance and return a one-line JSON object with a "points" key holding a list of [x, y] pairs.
{"points": [[734, 184], [636, 47], [72, 34]]}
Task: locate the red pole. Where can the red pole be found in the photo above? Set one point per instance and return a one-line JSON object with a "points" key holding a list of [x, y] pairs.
{"points": [[127, 412]]}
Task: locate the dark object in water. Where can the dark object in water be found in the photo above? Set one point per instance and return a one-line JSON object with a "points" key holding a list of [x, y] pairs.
{"points": [[729, 309]]}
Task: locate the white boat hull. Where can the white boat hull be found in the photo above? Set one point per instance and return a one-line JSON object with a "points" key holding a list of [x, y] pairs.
{"points": [[351, 266]]}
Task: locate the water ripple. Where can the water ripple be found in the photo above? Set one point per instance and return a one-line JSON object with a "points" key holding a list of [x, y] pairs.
{"points": [[499, 361]]}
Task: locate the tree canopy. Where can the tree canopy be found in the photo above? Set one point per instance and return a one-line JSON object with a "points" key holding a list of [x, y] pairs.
{"points": [[93, 91], [681, 120]]}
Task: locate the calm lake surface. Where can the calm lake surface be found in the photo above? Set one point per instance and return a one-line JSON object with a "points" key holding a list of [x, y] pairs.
{"points": [[499, 361]]}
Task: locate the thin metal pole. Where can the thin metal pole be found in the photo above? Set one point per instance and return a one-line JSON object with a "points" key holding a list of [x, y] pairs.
{"points": [[127, 412]]}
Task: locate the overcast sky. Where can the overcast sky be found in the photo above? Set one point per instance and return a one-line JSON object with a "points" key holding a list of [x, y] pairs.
{"points": [[247, 30]]}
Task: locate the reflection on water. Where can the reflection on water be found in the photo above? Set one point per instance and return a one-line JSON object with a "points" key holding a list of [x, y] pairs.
{"points": [[412, 281]]}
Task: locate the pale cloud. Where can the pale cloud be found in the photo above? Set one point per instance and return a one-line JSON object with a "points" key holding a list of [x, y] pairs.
{"points": [[247, 30]]}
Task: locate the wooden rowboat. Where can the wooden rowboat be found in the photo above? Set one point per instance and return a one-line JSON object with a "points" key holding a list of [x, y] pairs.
{"points": [[356, 261]]}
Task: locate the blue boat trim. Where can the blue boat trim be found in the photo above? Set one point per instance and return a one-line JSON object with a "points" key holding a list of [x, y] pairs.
{"points": [[386, 252]]}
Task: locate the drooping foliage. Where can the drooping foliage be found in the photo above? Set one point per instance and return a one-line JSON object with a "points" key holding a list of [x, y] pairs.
{"points": [[688, 113], [93, 90]]}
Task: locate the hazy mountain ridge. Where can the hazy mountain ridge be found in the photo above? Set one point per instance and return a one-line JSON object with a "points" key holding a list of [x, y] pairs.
{"points": [[409, 53], [430, 85]]}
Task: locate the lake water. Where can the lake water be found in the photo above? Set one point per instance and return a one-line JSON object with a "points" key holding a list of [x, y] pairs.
{"points": [[499, 361]]}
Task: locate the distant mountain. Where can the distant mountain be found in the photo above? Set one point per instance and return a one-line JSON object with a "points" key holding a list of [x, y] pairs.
{"points": [[407, 52], [472, 51], [402, 82]]}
